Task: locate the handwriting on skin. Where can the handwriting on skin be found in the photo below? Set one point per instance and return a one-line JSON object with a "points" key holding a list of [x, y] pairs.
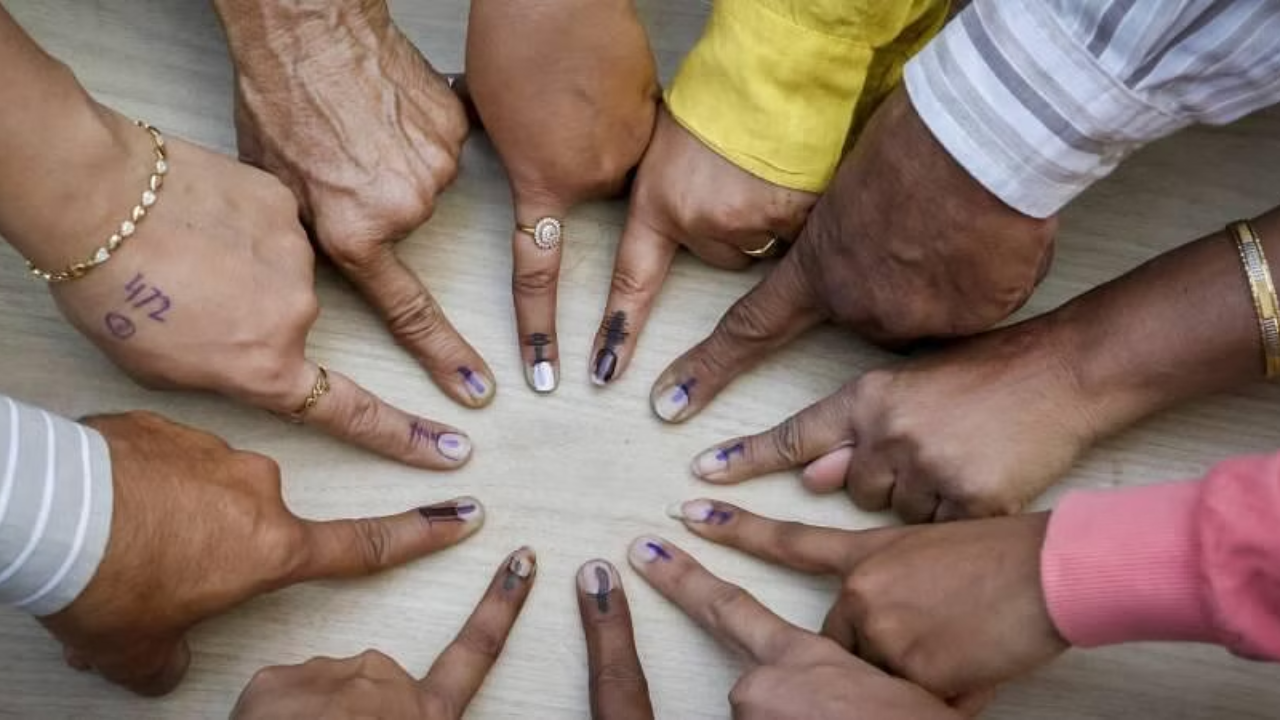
{"points": [[141, 299]]}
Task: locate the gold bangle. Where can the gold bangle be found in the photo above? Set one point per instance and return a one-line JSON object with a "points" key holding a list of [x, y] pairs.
{"points": [[127, 228], [1265, 303]]}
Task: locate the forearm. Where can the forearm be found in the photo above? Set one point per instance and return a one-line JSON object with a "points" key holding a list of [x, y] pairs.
{"points": [[1178, 327], [62, 157], [55, 507]]}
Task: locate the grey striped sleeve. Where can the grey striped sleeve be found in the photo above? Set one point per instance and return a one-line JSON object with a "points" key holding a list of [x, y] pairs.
{"points": [[55, 507], [1038, 99]]}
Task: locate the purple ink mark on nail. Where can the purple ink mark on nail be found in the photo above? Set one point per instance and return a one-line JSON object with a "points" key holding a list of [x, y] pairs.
{"points": [[718, 517], [723, 454], [658, 550], [684, 391], [473, 381], [450, 443], [119, 326], [602, 592], [447, 513]]}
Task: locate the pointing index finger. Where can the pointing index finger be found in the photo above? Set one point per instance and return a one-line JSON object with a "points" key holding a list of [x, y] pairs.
{"points": [[618, 687]]}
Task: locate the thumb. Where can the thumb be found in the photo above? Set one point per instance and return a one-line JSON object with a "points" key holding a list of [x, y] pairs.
{"points": [[150, 668], [353, 548]]}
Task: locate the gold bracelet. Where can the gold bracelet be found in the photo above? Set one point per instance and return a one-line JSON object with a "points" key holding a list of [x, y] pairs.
{"points": [[1265, 302], [127, 228]]}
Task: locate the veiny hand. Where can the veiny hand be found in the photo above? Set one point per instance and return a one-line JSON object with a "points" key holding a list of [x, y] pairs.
{"points": [[791, 673], [332, 99], [618, 687], [685, 194], [955, 608], [568, 94], [903, 245], [198, 528], [976, 430], [216, 292], [372, 685]]}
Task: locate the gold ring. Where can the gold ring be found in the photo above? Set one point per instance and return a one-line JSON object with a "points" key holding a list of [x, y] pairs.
{"points": [[546, 233], [318, 390], [775, 247]]}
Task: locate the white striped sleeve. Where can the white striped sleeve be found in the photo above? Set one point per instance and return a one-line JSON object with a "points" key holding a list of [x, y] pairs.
{"points": [[55, 507], [1038, 99]]}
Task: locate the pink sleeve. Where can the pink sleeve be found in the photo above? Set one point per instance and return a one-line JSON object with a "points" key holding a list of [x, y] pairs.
{"points": [[1192, 561]]}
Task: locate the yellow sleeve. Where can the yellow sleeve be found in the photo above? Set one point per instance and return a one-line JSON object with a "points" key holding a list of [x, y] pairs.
{"points": [[777, 87]]}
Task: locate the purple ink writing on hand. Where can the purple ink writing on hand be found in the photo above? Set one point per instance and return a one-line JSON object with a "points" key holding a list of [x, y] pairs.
{"points": [[119, 326], [156, 299]]}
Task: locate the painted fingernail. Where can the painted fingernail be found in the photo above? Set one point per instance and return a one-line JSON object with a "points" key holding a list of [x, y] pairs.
{"points": [[670, 403], [700, 512], [606, 363], [477, 386], [520, 566], [647, 549], [542, 377], [454, 446], [713, 464], [598, 579], [466, 510]]}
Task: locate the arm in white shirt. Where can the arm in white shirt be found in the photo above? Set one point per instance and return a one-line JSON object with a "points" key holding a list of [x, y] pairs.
{"points": [[55, 507], [1038, 99]]}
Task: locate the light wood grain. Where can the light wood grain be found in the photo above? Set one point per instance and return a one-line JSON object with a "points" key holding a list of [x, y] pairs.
{"points": [[579, 473]]}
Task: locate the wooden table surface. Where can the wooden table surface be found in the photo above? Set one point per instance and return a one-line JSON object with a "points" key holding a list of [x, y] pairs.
{"points": [[578, 474]]}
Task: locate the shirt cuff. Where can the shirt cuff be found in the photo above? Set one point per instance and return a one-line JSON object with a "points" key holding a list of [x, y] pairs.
{"points": [[1024, 108], [1123, 566], [778, 97]]}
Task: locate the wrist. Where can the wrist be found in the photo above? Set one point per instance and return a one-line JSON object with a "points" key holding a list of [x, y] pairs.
{"points": [[260, 30]]}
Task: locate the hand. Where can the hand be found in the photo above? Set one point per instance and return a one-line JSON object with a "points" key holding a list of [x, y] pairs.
{"points": [[332, 99], [979, 429], [685, 194], [372, 685], [904, 245], [791, 673], [956, 608], [617, 683], [568, 94], [198, 528]]}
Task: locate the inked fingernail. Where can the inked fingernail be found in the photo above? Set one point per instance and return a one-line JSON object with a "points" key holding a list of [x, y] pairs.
{"points": [[606, 363], [542, 377], [598, 579], [466, 510], [476, 385], [648, 549], [701, 512], [519, 566], [454, 446], [713, 464], [670, 403]]}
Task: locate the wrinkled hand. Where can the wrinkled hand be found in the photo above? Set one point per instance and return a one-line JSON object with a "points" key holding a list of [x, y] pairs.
{"points": [[955, 608], [372, 685], [334, 100], [198, 528], [216, 292], [568, 94], [685, 194], [903, 245], [791, 673], [980, 429]]}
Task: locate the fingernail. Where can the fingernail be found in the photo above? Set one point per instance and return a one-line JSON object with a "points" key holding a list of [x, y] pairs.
{"points": [[647, 549], [713, 464], [670, 403], [466, 510], [606, 363], [542, 376], [477, 386], [598, 579], [699, 512], [522, 563], [454, 446], [828, 471]]}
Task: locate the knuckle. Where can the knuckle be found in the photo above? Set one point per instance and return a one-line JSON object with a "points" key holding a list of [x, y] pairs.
{"points": [[535, 281], [747, 322], [726, 602], [364, 416], [786, 441], [620, 677], [482, 641], [258, 465], [746, 690], [626, 283], [373, 659], [374, 544], [416, 319], [267, 679]]}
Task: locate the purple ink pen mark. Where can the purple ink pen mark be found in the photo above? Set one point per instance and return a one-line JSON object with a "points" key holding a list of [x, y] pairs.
{"points": [[602, 592], [447, 513], [723, 454], [685, 391], [718, 517], [539, 343], [658, 550], [473, 381], [157, 299], [419, 432], [119, 326]]}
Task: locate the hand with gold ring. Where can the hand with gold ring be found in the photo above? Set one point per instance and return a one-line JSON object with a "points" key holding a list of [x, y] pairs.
{"points": [[214, 291], [568, 95], [686, 194]]}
